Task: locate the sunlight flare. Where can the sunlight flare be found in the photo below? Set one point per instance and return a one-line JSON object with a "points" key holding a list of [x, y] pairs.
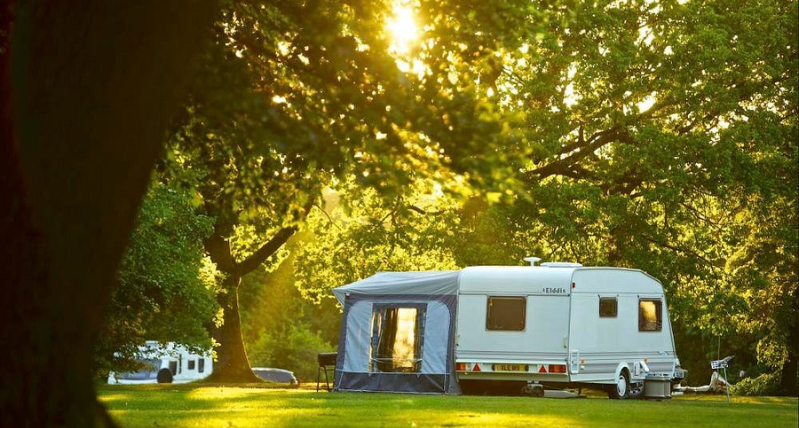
{"points": [[647, 103], [402, 28], [405, 342]]}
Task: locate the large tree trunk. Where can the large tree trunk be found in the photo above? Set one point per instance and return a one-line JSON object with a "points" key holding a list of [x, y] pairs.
{"points": [[790, 383], [789, 374], [232, 364], [86, 89]]}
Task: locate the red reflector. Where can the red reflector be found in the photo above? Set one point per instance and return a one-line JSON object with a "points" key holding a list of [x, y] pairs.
{"points": [[557, 368], [543, 369], [476, 368], [574, 285], [461, 367]]}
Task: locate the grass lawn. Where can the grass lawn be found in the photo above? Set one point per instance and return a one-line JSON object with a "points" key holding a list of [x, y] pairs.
{"points": [[198, 405]]}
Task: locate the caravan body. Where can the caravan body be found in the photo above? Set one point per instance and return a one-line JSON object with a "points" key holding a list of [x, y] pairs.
{"points": [[562, 325], [515, 329], [169, 363]]}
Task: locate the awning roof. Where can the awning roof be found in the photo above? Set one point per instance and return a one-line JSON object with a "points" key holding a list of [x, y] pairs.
{"points": [[410, 283]]}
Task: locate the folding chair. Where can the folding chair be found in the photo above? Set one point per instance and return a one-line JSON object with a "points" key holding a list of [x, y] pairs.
{"points": [[325, 360]]}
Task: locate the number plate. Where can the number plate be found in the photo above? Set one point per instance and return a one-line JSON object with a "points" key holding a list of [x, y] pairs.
{"points": [[510, 368]]}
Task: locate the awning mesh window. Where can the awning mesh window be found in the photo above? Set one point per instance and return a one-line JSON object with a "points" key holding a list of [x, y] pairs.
{"points": [[397, 334]]}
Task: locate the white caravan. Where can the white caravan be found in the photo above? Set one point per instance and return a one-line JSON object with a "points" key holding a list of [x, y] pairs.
{"points": [[170, 364], [563, 325]]}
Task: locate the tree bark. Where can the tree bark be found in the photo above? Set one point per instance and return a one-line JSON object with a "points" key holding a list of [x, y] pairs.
{"points": [[790, 369], [87, 89], [232, 364], [789, 374]]}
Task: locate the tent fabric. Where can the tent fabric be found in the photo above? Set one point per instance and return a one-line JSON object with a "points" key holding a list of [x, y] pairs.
{"points": [[407, 283], [369, 323]]}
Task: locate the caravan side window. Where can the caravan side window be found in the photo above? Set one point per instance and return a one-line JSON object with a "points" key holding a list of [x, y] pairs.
{"points": [[608, 307], [506, 313], [650, 315], [397, 334]]}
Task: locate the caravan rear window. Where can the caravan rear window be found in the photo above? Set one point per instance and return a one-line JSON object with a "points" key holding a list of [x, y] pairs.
{"points": [[650, 315], [506, 313], [397, 334]]}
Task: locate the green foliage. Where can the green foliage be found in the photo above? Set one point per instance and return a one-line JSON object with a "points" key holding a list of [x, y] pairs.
{"points": [[289, 99], [488, 235], [281, 329], [663, 137], [763, 385], [292, 346], [166, 288], [412, 232], [655, 135], [276, 111]]}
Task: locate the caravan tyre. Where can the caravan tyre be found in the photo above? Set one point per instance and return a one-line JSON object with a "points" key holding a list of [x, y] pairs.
{"points": [[533, 390], [621, 389], [164, 376]]}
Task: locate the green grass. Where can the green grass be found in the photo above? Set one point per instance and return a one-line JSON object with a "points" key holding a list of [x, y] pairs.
{"points": [[199, 405]]}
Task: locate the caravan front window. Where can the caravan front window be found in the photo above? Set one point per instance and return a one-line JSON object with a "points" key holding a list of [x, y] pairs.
{"points": [[506, 313], [650, 315], [397, 334]]}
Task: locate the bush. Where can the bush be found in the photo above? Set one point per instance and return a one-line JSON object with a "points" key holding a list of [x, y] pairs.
{"points": [[293, 347], [765, 384]]}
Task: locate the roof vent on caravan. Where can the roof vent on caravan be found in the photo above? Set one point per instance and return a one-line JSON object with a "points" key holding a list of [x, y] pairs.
{"points": [[532, 260], [561, 264]]}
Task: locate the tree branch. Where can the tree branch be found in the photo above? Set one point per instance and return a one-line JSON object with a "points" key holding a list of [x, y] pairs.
{"points": [[678, 249], [423, 212], [268, 249], [250, 263], [563, 168], [329, 219], [580, 149], [624, 185], [218, 249]]}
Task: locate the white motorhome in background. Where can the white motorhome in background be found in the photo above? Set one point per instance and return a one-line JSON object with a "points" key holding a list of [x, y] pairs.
{"points": [[166, 364], [563, 325]]}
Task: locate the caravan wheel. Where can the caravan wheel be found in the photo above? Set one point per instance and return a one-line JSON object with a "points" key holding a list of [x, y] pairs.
{"points": [[621, 390], [533, 390], [164, 376]]}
